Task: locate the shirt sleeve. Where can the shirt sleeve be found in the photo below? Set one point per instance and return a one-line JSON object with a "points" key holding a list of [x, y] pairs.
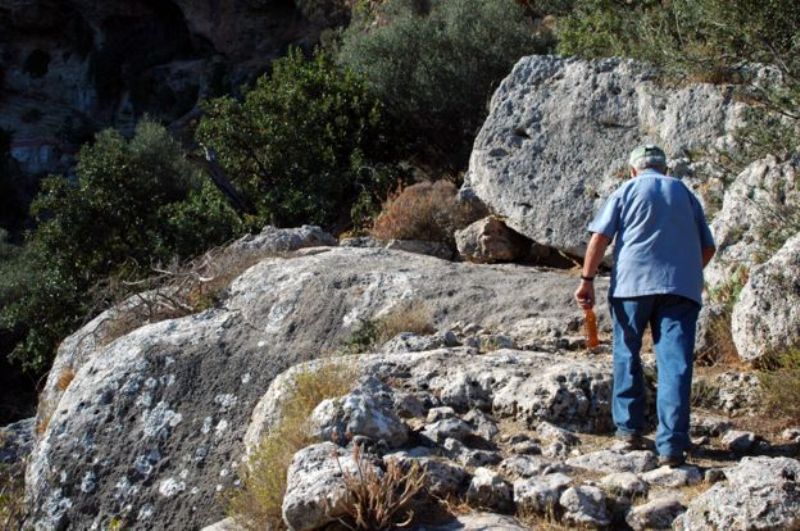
{"points": [[706, 238], [607, 221]]}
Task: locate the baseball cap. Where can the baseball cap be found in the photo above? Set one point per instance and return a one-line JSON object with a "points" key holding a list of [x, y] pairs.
{"points": [[651, 153]]}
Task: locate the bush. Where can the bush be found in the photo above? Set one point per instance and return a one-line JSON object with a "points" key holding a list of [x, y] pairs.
{"points": [[259, 503], [412, 316], [135, 203], [435, 64], [304, 144], [781, 386], [423, 211]]}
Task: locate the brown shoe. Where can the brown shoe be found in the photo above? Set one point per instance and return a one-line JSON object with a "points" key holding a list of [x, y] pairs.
{"points": [[672, 461]]}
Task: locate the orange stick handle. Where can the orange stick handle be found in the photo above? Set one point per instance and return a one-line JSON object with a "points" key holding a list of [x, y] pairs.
{"points": [[591, 329]]}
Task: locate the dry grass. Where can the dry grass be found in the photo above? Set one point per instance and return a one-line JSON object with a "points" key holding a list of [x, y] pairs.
{"points": [[412, 316], [64, 379], [258, 504], [12, 496], [378, 501], [423, 211], [175, 291], [723, 350], [545, 522], [781, 384]]}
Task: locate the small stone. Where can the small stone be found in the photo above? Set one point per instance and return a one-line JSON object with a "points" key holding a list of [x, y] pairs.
{"points": [[357, 413], [713, 475], [585, 505], [525, 466], [469, 456], [408, 405], [739, 442], [442, 477], [439, 413], [488, 490], [451, 339], [708, 425], [625, 484], [453, 427], [673, 477], [557, 434], [609, 461], [656, 514], [540, 494], [526, 448], [556, 450], [482, 424], [791, 434]]}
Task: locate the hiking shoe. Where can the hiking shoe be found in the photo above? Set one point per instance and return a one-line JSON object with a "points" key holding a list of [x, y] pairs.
{"points": [[671, 461], [632, 441]]}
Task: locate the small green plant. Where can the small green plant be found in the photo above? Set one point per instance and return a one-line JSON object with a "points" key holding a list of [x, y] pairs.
{"points": [[258, 505], [723, 349], [414, 317], [780, 380]]}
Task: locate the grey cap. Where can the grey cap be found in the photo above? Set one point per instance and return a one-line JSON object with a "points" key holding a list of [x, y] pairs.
{"points": [[648, 154]]}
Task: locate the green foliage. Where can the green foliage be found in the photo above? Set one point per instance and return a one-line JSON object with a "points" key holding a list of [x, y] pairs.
{"points": [[781, 384], [436, 64], [328, 12], [706, 40], [135, 203], [304, 143]]}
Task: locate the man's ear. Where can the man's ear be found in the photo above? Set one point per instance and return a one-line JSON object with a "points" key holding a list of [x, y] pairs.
{"points": [[634, 173]]}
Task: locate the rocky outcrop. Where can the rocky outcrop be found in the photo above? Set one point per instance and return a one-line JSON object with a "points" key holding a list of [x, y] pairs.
{"points": [[16, 441], [766, 318], [760, 493], [754, 212], [489, 240], [558, 134], [149, 429]]}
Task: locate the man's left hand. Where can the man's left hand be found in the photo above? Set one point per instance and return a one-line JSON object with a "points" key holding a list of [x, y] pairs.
{"points": [[584, 295]]}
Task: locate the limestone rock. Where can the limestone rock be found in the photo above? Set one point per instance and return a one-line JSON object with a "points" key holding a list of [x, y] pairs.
{"points": [[443, 478], [526, 466], [16, 441], [275, 240], [358, 413], [169, 403], [540, 494], [470, 457], [229, 524], [766, 317], [673, 477], [437, 249], [655, 514], [610, 461], [452, 427], [557, 434], [625, 484], [411, 342], [487, 489], [585, 506], [489, 240], [480, 522], [440, 413], [315, 485], [482, 424], [558, 135], [738, 441], [761, 493], [765, 187]]}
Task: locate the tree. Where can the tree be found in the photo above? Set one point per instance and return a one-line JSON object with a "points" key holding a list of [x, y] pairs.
{"points": [[304, 143]]}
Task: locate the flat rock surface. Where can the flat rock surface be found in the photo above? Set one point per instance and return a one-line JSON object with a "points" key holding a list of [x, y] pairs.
{"points": [[150, 429]]}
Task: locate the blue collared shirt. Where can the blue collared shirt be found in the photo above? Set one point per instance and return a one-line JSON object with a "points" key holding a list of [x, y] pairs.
{"points": [[659, 230]]}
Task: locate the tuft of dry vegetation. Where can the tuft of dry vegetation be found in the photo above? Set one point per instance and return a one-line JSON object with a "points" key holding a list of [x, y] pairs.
{"points": [[12, 496], [176, 290], [258, 505], [380, 501], [65, 378], [424, 211], [411, 316], [781, 385], [723, 350]]}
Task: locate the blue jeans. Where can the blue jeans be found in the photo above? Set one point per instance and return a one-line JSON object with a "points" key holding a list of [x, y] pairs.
{"points": [[672, 319]]}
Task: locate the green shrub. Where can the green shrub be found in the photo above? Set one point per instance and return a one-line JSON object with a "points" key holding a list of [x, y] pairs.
{"points": [[305, 142], [435, 64], [135, 203], [781, 384]]}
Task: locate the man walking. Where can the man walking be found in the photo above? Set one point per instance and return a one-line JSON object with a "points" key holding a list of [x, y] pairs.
{"points": [[661, 245]]}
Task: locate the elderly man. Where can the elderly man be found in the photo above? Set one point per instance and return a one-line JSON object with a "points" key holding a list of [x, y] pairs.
{"points": [[661, 245]]}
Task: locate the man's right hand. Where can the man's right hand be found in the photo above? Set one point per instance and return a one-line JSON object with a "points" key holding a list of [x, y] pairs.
{"points": [[584, 295]]}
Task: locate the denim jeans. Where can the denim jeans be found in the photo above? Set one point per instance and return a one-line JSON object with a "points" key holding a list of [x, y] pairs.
{"points": [[672, 319]]}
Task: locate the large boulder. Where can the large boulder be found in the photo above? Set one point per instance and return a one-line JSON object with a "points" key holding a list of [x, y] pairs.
{"points": [[753, 213], [489, 240], [150, 427], [558, 134], [766, 318], [761, 493]]}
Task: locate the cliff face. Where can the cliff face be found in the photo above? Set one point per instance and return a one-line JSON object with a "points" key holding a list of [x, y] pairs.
{"points": [[67, 66]]}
